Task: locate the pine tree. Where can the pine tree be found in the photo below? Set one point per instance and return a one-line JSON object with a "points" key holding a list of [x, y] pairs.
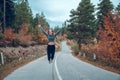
{"points": [[104, 7], [118, 9], [9, 11], [23, 13], [82, 23], [64, 28], [72, 27], [40, 19]]}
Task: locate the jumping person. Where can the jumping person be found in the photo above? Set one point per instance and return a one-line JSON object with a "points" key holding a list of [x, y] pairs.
{"points": [[51, 44]]}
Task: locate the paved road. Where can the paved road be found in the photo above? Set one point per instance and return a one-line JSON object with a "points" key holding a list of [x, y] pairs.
{"points": [[64, 67]]}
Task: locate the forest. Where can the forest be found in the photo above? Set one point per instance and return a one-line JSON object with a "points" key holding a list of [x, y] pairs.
{"points": [[96, 32], [18, 26]]}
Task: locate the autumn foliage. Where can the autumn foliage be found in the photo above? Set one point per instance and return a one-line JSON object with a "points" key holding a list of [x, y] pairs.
{"points": [[9, 35], [24, 37], [107, 48]]}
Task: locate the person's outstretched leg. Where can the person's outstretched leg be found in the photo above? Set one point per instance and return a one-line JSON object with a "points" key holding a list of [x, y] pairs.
{"points": [[48, 52], [53, 52]]}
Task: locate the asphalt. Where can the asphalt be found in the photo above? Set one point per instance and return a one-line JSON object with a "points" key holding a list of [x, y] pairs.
{"points": [[64, 67]]}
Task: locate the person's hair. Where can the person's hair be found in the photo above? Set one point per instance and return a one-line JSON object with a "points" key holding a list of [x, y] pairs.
{"points": [[51, 30]]}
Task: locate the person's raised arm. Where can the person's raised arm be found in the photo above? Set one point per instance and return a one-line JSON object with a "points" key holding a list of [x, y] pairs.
{"points": [[42, 30], [57, 32]]}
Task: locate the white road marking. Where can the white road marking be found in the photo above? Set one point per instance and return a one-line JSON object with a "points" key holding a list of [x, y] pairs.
{"points": [[56, 68]]}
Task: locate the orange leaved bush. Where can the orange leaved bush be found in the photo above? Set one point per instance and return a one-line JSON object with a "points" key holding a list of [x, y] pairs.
{"points": [[108, 46], [24, 36], [9, 35]]}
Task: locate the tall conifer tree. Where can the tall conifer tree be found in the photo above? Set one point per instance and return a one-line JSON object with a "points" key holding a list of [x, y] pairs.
{"points": [[82, 23]]}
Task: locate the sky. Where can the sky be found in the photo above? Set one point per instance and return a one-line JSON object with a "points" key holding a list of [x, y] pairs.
{"points": [[57, 11]]}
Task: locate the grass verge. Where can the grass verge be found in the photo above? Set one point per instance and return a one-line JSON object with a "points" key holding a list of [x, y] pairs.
{"points": [[10, 67], [75, 53], [98, 64]]}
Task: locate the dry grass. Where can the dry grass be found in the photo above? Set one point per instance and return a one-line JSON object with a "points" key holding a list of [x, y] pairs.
{"points": [[10, 67], [74, 47]]}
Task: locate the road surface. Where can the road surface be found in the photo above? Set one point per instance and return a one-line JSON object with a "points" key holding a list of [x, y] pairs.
{"points": [[64, 67]]}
